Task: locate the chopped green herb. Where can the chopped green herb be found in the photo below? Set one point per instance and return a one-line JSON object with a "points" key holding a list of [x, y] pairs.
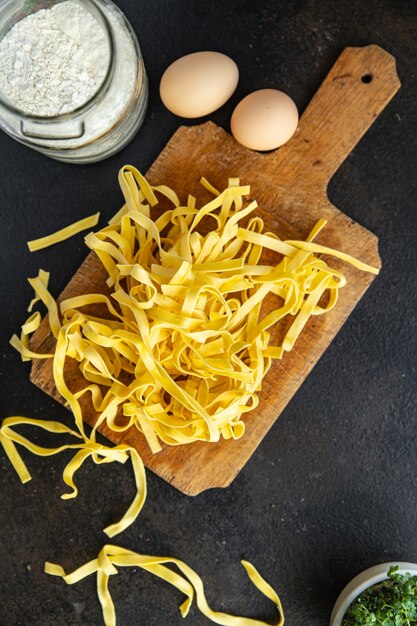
{"points": [[392, 602]]}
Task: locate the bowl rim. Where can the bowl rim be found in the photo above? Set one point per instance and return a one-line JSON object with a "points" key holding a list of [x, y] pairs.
{"points": [[362, 581]]}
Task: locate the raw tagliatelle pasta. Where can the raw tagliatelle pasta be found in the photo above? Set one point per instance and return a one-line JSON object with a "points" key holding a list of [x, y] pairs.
{"points": [[178, 348], [188, 582], [183, 343], [64, 233]]}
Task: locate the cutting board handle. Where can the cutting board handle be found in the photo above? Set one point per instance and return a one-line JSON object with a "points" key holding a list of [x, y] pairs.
{"points": [[357, 89]]}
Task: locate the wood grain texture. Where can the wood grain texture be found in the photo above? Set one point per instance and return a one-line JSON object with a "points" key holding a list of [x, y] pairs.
{"points": [[290, 186]]}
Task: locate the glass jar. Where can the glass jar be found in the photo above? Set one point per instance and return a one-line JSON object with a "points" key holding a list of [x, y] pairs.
{"points": [[110, 118]]}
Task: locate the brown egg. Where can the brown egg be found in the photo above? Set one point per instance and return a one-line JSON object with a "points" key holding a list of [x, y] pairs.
{"points": [[198, 84], [264, 120]]}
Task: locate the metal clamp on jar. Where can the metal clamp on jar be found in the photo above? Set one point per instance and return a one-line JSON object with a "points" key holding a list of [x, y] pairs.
{"points": [[110, 117]]}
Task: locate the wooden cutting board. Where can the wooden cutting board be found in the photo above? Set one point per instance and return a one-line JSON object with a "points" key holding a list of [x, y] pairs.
{"points": [[290, 186]]}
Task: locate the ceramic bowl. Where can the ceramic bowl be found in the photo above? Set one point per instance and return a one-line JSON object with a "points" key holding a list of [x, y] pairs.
{"points": [[362, 581]]}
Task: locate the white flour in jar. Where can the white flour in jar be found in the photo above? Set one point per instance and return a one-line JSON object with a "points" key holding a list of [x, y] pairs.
{"points": [[54, 61], [115, 114]]}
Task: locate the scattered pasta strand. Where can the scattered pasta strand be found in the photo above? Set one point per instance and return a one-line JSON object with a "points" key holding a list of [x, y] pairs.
{"points": [[64, 233], [86, 448], [44, 279], [189, 583]]}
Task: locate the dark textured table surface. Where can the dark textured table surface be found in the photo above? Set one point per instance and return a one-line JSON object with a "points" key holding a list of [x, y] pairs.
{"points": [[333, 487]]}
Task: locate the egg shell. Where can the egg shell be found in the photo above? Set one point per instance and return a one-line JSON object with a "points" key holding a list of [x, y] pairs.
{"points": [[264, 120], [198, 84]]}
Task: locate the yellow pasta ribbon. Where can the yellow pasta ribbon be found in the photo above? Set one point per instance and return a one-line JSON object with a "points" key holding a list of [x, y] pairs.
{"points": [[44, 279], [30, 326], [188, 582], [100, 453], [64, 233]]}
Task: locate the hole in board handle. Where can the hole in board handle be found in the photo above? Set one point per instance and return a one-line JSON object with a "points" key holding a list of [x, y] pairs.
{"points": [[367, 78]]}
